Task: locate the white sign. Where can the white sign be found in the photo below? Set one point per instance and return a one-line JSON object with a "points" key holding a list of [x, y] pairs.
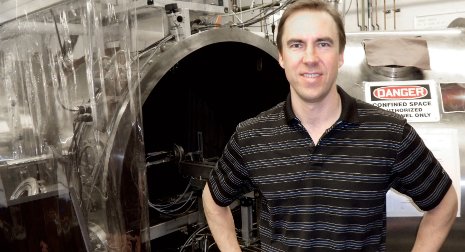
{"points": [[417, 101], [435, 21]]}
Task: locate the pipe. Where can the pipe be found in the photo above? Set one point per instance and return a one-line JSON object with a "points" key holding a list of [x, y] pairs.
{"points": [[370, 15], [73, 29], [376, 14], [364, 27], [384, 12], [394, 12], [358, 15]]}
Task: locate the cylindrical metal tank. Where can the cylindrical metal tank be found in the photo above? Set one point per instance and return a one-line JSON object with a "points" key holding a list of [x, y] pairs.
{"points": [[447, 60], [208, 83], [194, 93]]}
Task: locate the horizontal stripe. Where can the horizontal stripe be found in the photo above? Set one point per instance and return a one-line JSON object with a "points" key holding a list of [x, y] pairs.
{"points": [[329, 196]]}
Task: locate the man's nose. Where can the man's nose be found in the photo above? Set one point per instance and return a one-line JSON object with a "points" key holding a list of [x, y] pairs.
{"points": [[310, 55]]}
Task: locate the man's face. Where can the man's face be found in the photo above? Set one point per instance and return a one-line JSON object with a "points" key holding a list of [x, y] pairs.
{"points": [[310, 55]]}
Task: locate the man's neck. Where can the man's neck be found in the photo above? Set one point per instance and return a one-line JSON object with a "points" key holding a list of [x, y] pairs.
{"points": [[317, 117]]}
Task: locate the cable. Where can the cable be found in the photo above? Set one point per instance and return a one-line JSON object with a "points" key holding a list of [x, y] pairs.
{"points": [[62, 48], [348, 8], [178, 199], [168, 208], [156, 44], [252, 21], [192, 236], [170, 211]]}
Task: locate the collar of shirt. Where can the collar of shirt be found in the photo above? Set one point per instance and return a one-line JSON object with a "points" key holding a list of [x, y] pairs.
{"points": [[349, 112]]}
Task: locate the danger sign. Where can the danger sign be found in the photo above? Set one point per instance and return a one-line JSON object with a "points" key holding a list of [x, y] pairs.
{"points": [[415, 100], [400, 92]]}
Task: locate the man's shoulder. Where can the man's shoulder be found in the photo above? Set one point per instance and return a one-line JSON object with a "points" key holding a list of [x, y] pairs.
{"points": [[264, 118], [368, 112]]}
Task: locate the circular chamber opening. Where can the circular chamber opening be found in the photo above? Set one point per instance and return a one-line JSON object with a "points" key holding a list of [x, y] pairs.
{"points": [[210, 91], [195, 107], [190, 114]]}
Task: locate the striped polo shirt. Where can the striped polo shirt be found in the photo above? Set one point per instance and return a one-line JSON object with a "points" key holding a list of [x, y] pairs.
{"points": [[330, 196]]}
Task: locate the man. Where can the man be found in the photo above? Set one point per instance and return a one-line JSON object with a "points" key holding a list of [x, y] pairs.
{"points": [[323, 161]]}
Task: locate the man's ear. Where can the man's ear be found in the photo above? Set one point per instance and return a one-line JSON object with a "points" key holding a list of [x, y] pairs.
{"points": [[280, 59], [341, 59]]}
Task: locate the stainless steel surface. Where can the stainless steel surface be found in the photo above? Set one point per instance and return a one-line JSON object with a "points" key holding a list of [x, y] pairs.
{"points": [[157, 65], [447, 55], [447, 58], [168, 227], [194, 92]]}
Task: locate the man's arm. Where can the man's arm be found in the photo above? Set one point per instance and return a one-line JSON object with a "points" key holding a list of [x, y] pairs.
{"points": [[436, 223], [221, 223]]}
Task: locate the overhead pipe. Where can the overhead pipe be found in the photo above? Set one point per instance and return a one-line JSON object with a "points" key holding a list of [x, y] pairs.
{"points": [[358, 16], [376, 15], [370, 15], [364, 27], [384, 12], [394, 10]]}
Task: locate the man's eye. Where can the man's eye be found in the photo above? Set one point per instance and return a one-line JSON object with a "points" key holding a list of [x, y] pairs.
{"points": [[324, 44], [295, 45]]}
